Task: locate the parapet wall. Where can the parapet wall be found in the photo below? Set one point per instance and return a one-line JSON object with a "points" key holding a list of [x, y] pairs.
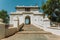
{"points": [[10, 31], [2, 29]]}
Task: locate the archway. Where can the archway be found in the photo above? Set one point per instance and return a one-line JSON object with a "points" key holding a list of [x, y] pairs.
{"points": [[27, 20]]}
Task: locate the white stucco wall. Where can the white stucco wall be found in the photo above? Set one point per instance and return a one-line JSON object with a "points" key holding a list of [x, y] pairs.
{"points": [[35, 19], [13, 20], [21, 19], [20, 10]]}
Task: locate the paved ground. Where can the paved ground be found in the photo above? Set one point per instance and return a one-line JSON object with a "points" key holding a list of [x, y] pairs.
{"points": [[32, 33]]}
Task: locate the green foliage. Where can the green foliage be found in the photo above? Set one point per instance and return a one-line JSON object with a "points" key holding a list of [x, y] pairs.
{"points": [[4, 16], [49, 8]]}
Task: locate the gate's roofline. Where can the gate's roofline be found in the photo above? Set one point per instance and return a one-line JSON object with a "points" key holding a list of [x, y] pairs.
{"points": [[22, 7]]}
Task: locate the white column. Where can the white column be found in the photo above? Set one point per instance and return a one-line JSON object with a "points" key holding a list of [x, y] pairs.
{"points": [[46, 22], [16, 22]]}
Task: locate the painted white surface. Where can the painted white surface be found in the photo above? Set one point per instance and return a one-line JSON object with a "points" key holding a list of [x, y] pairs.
{"points": [[36, 19]]}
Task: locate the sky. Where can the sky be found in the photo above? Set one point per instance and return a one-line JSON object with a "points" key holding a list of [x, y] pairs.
{"points": [[9, 5]]}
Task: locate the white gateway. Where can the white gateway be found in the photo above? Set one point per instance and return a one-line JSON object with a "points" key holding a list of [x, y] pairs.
{"points": [[26, 15], [31, 15]]}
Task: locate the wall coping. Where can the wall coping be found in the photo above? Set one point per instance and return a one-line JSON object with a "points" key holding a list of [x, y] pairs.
{"points": [[57, 28]]}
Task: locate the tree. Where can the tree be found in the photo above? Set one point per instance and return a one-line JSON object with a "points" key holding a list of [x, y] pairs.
{"points": [[52, 8], [4, 16]]}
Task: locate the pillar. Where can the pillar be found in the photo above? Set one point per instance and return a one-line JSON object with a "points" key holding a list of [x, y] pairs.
{"points": [[46, 22]]}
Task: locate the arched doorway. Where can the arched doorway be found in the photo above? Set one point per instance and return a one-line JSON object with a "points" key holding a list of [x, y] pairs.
{"points": [[27, 20]]}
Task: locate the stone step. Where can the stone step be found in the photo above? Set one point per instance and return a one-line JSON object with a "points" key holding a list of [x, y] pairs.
{"points": [[33, 32], [31, 28]]}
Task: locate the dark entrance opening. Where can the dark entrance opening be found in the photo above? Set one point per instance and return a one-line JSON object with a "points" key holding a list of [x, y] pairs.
{"points": [[27, 20]]}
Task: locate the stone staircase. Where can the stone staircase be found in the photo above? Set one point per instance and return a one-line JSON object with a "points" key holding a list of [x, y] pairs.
{"points": [[31, 32], [31, 29]]}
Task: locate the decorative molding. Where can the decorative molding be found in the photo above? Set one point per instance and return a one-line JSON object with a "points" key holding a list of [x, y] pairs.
{"points": [[23, 7]]}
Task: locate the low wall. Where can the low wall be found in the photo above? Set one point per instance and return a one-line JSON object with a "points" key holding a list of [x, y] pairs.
{"points": [[20, 27], [10, 31], [2, 31], [6, 30], [55, 31]]}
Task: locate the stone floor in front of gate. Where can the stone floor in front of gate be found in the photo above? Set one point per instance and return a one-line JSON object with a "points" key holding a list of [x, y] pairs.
{"points": [[32, 33], [33, 37]]}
